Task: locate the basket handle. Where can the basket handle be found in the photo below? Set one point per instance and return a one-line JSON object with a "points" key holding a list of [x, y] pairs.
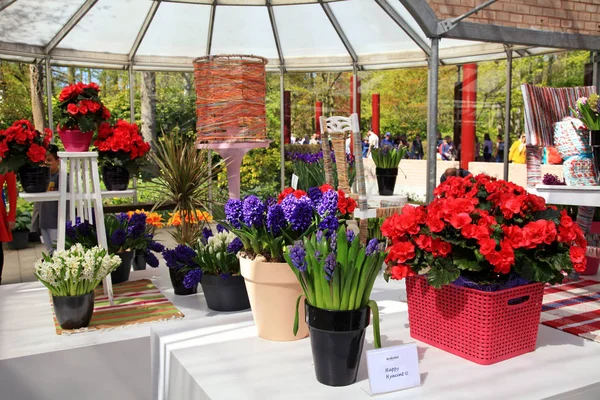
{"points": [[518, 302]]}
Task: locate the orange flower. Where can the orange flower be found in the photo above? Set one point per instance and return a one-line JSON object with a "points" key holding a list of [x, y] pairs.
{"points": [[176, 218], [154, 219]]}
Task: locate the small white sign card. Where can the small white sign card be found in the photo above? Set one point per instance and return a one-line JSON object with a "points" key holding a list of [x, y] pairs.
{"points": [[393, 368], [294, 181]]}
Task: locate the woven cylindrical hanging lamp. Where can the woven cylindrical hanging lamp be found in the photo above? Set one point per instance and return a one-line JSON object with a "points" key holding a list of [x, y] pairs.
{"points": [[230, 98]]}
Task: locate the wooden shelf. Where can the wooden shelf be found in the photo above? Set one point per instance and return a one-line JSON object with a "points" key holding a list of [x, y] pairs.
{"points": [[569, 195], [54, 196]]}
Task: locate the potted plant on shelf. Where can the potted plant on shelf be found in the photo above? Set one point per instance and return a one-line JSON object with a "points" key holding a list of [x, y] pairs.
{"points": [[222, 284], [477, 258], [337, 275], [80, 111], [180, 260], [386, 159], [121, 148], [23, 149], [20, 232], [71, 276]]}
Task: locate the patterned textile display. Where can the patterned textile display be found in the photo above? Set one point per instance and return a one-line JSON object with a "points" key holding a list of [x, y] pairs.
{"points": [[135, 302], [544, 106], [534, 165], [570, 139], [573, 307]]}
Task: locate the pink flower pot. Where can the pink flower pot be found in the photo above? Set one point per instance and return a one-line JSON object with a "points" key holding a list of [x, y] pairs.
{"points": [[591, 267], [75, 140]]}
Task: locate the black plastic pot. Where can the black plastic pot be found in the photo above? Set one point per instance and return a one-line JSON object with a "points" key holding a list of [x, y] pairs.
{"points": [[139, 261], [20, 240], [337, 338], [34, 179], [115, 178], [121, 274], [225, 294], [386, 180], [177, 282], [73, 312]]}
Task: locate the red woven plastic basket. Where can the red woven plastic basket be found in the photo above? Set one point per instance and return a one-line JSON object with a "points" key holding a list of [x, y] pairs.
{"points": [[483, 327]]}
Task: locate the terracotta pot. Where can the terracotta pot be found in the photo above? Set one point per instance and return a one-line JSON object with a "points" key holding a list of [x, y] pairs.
{"points": [[75, 140], [273, 290]]}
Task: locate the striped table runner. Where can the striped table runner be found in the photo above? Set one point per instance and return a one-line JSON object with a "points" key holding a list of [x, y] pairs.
{"points": [[135, 302], [573, 307]]}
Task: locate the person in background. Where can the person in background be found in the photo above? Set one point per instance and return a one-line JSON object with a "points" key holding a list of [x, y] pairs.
{"points": [[48, 219], [314, 139], [7, 220], [518, 153], [373, 142], [444, 149], [499, 149], [487, 148], [454, 172], [387, 140], [348, 142], [417, 148], [365, 147]]}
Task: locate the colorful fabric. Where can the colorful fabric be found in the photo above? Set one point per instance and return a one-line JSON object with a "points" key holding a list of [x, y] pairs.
{"points": [[534, 165], [573, 307], [544, 106], [570, 140], [135, 302]]}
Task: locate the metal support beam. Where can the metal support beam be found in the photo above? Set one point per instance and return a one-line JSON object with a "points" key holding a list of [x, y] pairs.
{"points": [[132, 119], [282, 125], [49, 93], [69, 25], [145, 25], [340, 32], [595, 72], [401, 22], [508, 105], [5, 3], [211, 26], [450, 23], [275, 34], [354, 89], [432, 111]]}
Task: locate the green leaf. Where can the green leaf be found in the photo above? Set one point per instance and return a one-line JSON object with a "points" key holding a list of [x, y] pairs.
{"points": [[438, 277], [470, 265], [376, 334]]}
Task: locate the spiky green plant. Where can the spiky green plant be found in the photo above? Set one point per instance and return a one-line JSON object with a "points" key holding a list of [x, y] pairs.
{"points": [[184, 177]]}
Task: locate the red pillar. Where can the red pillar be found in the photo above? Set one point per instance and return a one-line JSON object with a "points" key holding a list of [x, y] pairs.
{"points": [[318, 114], [287, 117], [469, 101], [375, 113]]}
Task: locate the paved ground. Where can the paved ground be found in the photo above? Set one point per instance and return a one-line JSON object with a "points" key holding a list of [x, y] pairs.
{"points": [[18, 264]]}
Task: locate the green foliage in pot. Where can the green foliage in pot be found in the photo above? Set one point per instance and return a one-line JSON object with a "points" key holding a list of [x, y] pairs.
{"points": [[184, 178], [22, 221], [76, 271], [337, 272], [388, 156]]}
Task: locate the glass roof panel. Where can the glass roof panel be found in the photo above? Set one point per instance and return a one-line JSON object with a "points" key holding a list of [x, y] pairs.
{"points": [[301, 39], [243, 30], [35, 22], [369, 29], [177, 30], [111, 26], [403, 12]]}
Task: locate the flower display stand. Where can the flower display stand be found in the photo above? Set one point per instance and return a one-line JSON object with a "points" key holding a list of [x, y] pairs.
{"points": [[233, 153], [84, 197]]}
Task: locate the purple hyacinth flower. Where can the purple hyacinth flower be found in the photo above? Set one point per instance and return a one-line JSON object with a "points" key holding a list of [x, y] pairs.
{"points": [[301, 215], [315, 195], [233, 212], [235, 245], [118, 237], [350, 235], [192, 278], [122, 217], [170, 257], [84, 227], [330, 223], [329, 267], [70, 230], [221, 228], [206, 233], [185, 254], [151, 260], [333, 241], [253, 210], [298, 256], [328, 204], [157, 247], [371, 247], [137, 225], [319, 236], [276, 219]]}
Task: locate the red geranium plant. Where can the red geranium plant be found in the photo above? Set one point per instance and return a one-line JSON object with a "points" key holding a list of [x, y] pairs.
{"points": [[121, 145], [80, 107], [21, 144], [485, 231]]}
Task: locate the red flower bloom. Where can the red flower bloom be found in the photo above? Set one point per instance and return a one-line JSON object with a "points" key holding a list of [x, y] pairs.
{"points": [[299, 193], [284, 194], [459, 220], [36, 153], [424, 242], [401, 252], [577, 255], [487, 246], [325, 187], [3, 149], [72, 109], [401, 271]]}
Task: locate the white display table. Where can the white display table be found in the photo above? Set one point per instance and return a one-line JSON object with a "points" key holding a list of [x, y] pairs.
{"points": [[569, 195], [203, 360]]}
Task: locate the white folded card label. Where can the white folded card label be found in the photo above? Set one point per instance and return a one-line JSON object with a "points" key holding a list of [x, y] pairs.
{"points": [[294, 181], [393, 368]]}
